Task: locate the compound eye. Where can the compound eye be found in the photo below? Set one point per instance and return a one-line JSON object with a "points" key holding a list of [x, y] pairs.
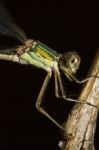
{"points": [[73, 61]]}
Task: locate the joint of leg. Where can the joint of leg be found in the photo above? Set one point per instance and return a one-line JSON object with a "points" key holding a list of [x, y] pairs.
{"points": [[57, 95], [64, 97], [37, 106]]}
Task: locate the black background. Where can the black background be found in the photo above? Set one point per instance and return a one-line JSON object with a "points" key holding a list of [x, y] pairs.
{"points": [[63, 27]]}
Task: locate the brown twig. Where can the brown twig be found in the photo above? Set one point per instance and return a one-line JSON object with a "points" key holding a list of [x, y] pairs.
{"points": [[80, 126]]}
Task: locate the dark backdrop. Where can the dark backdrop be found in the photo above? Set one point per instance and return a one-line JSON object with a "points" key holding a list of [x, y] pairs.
{"points": [[63, 27]]}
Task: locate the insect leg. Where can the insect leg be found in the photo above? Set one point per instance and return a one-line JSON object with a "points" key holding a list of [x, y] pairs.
{"points": [[40, 97], [84, 80], [58, 86], [64, 94]]}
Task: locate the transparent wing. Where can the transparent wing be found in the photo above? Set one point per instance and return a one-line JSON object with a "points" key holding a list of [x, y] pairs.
{"points": [[8, 27], [11, 51]]}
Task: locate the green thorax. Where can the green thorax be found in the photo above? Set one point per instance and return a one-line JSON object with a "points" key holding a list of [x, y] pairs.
{"points": [[43, 50], [40, 55]]}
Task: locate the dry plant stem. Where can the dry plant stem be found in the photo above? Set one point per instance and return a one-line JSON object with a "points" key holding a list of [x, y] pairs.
{"points": [[80, 126]]}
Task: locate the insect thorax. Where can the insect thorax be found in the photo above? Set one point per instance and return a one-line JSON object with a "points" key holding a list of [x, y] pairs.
{"points": [[38, 54], [25, 47]]}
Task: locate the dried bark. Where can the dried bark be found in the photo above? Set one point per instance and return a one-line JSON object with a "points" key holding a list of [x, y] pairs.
{"points": [[79, 128]]}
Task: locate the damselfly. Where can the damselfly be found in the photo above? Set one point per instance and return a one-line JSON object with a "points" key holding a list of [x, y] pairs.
{"points": [[33, 52]]}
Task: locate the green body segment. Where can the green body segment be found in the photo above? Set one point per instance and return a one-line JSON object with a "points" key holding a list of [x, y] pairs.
{"points": [[45, 50], [40, 56], [36, 54]]}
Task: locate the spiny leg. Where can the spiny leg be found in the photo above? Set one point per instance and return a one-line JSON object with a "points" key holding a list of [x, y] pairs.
{"points": [[40, 97], [84, 80], [71, 76], [58, 79], [58, 86]]}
